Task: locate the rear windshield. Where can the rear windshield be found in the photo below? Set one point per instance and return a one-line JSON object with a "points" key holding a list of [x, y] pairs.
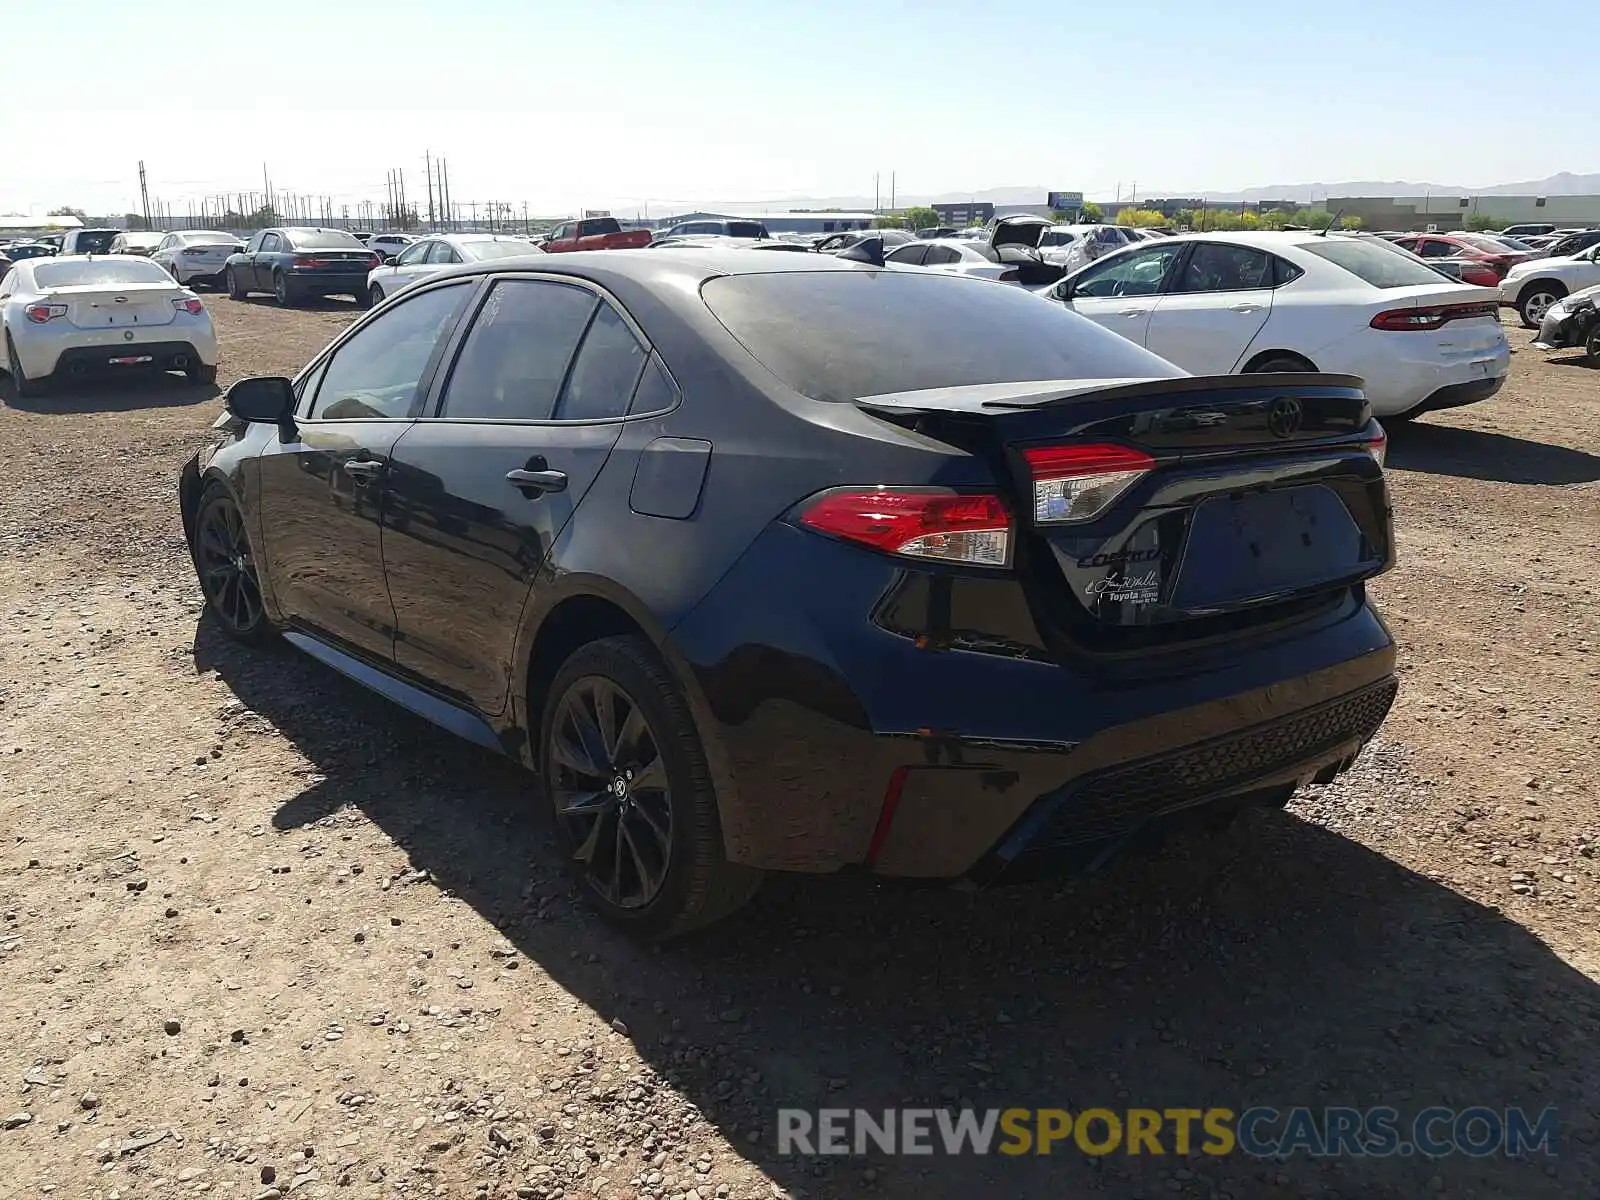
{"points": [[1379, 263], [837, 336], [103, 270], [323, 239], [95, 241], [487, 250], [209, 239], [746, 229]]}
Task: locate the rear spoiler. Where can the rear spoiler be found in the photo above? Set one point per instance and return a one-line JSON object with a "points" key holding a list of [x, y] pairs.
{"points": [[1186, 416]]}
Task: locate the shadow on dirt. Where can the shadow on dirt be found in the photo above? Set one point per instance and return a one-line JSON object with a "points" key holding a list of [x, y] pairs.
{"points": [[1280, 964], [1476, 454], [342, 304], [122, 394]]}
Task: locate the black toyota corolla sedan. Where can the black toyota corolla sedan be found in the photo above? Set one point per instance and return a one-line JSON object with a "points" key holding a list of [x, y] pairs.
{"points": [[779, 562]]}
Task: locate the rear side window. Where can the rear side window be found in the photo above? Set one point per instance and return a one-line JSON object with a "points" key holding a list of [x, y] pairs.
{"points": [[1216, 267], [326, 239], [605, 371], [1374, 262], [516, 355], [841, 335], [746, 229]]}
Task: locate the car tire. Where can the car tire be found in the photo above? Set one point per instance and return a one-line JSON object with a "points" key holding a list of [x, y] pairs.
{"points": [[375, 296], [23, 387], [235, 292], [225, 565], [1591, 345], [642, 783], [201, 375], [363, 298], [1536, 300], [280, 290]]}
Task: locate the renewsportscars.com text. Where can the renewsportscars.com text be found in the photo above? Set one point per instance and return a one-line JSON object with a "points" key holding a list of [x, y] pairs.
{"points": [[1259, 1132]]}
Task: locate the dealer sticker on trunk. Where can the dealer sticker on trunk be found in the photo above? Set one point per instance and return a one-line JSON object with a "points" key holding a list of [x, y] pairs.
{"points": [[1118, 588]]}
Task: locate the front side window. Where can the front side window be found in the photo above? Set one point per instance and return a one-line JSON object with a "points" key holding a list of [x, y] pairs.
{"points": [[515, 358], [1214, 267], [413, 254], [376, 373], [442, 254], [270, 243], [1134, 273], [604, 373]]}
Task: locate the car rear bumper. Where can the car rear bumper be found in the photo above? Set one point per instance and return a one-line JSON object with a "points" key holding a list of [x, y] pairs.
{"points": [[844, 740], [48, 351], [1405, 372], [326, 283], [1456, 395], [129, 356]]}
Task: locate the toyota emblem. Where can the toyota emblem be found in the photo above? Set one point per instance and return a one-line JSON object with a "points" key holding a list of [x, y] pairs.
{"points": [[1283, 418]]}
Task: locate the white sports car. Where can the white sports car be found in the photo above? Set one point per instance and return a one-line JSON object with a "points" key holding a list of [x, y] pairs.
{"points": [[86, 315], [197, 255]]}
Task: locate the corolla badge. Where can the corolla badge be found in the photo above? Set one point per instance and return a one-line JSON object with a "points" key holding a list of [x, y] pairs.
{"points": [[1125, 589]]}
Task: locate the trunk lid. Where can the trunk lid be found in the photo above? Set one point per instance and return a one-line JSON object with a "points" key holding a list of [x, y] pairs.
{"points": [[1018, 231], [340, 262], [96, 306], [1225, 498]]}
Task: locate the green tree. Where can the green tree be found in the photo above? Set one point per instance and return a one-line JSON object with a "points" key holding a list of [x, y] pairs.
{"points": [[888, 223], [1091, 213], [1479, 222], [1141, 218], [920, 217], [134, 221], [66, 210]]}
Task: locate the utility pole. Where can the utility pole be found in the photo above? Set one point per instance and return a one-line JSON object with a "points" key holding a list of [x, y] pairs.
{"points": [[427, 165], [474, 216], [144, 195], [876, 207], [525, 228], [891, 191], [266, 186], [449, 208]]}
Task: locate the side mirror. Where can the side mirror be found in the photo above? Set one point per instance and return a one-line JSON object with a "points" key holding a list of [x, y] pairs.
{"points": [[263, 399], [1063, 291]]}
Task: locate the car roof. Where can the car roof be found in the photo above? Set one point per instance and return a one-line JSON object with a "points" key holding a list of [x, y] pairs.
{"points": [[689, 265]]}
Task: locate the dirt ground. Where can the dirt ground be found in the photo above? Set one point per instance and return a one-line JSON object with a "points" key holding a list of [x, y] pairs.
{"points": [[262, 934]]}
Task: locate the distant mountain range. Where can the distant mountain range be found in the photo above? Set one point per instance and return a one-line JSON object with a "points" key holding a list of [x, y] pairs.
{"points": [[1563, 184]]}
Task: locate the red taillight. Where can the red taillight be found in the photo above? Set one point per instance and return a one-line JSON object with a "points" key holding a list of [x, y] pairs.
{"points": [[1078, 483], [1396, 320], [41, 313], [191, 251], [374, 262], [301, 260], [917, 522], [1378, 444], [191, 305]]}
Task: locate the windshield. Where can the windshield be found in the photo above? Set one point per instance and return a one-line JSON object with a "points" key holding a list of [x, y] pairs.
{"points": [[323, 239], [840, 335], [482, 251], [110, 271], [1478, 242], [1380, 263]]}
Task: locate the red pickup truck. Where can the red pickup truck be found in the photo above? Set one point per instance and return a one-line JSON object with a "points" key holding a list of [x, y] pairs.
{"points": [[595, 233]]}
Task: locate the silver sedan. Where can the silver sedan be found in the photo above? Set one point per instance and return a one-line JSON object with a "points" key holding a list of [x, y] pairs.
{"points": [[438, 252]]}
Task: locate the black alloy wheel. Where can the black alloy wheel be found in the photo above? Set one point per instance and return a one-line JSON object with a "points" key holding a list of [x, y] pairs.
{"points": [[626, 775], [611, 792], [227, 568]]}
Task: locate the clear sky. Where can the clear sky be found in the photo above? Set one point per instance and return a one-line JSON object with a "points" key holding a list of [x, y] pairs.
{"points": [[607, 103]]}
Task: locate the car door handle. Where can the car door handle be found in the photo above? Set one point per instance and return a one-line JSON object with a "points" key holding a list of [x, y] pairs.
{"points": [[538, 481], [1133, 312], [1247, 308], [362, 470]]}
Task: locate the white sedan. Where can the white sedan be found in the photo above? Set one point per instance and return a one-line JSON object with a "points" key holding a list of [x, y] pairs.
{"points": [[80, 316], [1532, 287], [976, 259], [1229, 303], [196, 255], [433, 254]]}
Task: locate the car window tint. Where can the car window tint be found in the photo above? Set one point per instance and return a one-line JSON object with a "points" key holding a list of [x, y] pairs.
{"points": [[377, 371], [442, 254], [910, 256], [941, 255], [655, 392], [1136, 273], [1284, 271], [1214, 267], [515, 357], [411, 254], [269, 243], [603, 374]]}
